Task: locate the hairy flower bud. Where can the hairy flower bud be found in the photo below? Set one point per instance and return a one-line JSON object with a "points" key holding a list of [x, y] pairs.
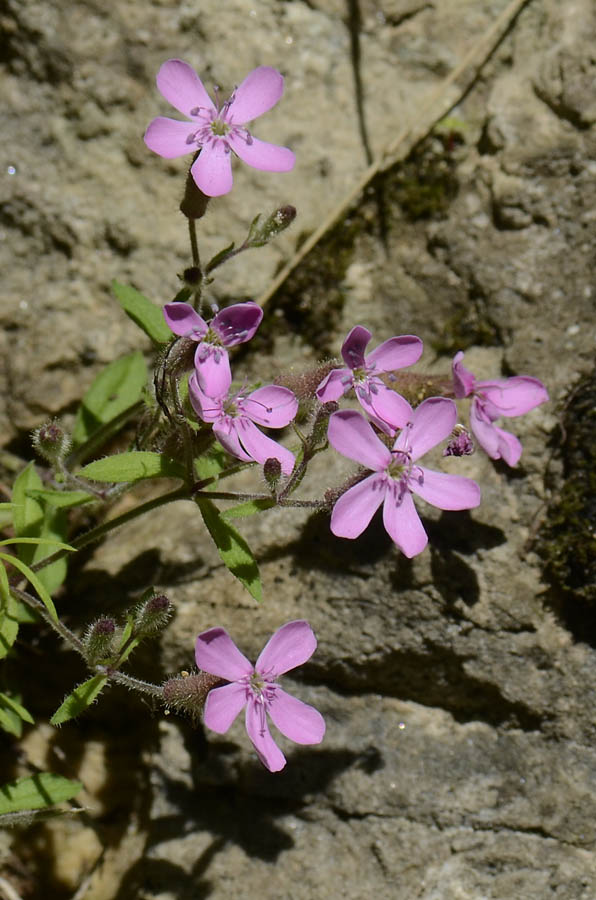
{"points": [[260, 233], [152, 615], [319, 429], [99, 642], [272, 472], [188, 692], [51, 441]]}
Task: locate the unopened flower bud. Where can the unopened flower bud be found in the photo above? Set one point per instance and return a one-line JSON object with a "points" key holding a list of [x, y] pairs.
{"points": [[194, 203], [153, 614], [99, 642], [272, 472], [461, 443], [51, 441], [192, 279], [319, 428], [187, 693], [260, 233]]}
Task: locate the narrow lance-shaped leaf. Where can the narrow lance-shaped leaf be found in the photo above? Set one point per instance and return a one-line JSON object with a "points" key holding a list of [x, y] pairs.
{"points": [[34, 581], [78, 701], [117, 387], [61, 499], [232, 548], [9, 622], [12, 715], [132, 466], [32, 518], [37, 792], [143, 312]]}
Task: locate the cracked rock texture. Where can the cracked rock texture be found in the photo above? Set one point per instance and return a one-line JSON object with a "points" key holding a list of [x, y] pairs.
{"points": [[459, 687]]}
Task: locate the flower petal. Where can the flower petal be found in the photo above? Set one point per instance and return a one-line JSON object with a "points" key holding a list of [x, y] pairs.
{"points": [[183, 320], [352, 436], [290, 646], [388, 409], [212, 170], [223, 705], [212, 367], [227, 435], [238, 323], [258, 731], [216, 653], [272, 406], [513, 396], [209, 409], [463, 380], [259, 92], [262, 155], [431, 423], [169, 137], [298, 721], [334, 385], [354, 509], [353, 347], [510, 448], [397, 352], [444, 490], [484, 430], [260, 447], [181, 86], [403, 524]]}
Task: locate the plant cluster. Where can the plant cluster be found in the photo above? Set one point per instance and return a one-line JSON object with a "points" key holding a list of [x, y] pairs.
{"points": [[199, 426]]}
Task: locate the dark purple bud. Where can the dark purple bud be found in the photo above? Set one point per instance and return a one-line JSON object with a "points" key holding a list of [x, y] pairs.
{"points": [[192, 277], [99, 642], [152, 615], [272, 472]]}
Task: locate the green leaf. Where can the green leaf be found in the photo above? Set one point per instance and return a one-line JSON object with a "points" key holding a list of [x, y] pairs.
{"points": [[38, 542], [34, 581], [82, 697], [33, 519], [16, 707], [183, 296], [37, 792], [219, 258], [248, 509], [232, 548], [133, 466], [117, 387], [211, 464], [9, 621], [143, 312], [61, 499], [5, 514], [12, 715]]}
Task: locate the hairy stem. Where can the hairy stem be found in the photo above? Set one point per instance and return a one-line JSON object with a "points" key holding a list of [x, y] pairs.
{"points": [[65, 633]]}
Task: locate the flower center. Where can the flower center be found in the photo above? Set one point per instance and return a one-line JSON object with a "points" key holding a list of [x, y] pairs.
{"points": [[400, 465], [219, 128]]}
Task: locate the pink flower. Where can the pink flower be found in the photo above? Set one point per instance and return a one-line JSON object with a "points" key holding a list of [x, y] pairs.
{"points": [[256, 688], [233, 325], [395, 476], [233, 417], [492, 399], [387, 409], [216, 130]]}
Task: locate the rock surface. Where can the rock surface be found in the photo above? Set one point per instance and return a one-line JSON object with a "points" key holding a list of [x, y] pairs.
{"points": [[459, 757]]}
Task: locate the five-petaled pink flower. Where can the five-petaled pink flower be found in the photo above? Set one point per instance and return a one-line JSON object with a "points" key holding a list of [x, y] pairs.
{"points": [[396, 475], [233, 325], [234, 416], [493, 399], [386, 408], [256, 688], [217, 130]]}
